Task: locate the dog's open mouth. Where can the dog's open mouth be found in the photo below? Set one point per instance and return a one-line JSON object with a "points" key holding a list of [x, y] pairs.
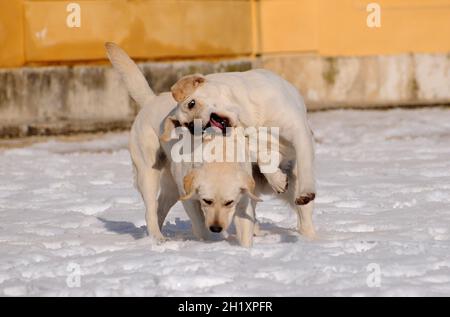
{"points": [[215, 122], [221, 123]]}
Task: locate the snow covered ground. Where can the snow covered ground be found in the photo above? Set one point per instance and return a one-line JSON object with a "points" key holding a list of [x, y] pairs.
{"points": [[71, 222]]}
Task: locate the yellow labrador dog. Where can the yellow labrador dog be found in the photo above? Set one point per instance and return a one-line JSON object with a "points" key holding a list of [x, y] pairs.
{"points": [[256, 98], [211, 189], [221, 204], [225, 192]]}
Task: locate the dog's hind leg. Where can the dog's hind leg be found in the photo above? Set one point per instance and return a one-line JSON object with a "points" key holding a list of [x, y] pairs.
{"points": [[305, 225], [148, 162], [168, 196], [304, 152], [148, 184], [304, 220]]}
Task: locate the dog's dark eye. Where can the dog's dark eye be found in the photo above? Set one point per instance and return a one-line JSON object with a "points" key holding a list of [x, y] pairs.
{"points": [[191, 104], [228, 203], [207, 201]]}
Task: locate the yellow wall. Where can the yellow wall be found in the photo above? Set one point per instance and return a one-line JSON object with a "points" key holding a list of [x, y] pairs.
{"points": [[287, 25], [406, 26], [11, 33], [145, 28], [339, 27], [36, 31], [174, 28], [47, 37]]}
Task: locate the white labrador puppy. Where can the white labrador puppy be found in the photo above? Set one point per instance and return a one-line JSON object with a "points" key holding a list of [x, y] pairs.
{"points": [[256, 98], [221, 203], [217, 201], [155, 171], [225, 192]]}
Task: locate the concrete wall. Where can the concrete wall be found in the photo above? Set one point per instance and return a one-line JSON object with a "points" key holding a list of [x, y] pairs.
{"points": [[73, 99], [361, 82]]}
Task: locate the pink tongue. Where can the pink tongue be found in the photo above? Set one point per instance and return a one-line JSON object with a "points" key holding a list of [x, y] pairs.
{"points": [[216, 124]]}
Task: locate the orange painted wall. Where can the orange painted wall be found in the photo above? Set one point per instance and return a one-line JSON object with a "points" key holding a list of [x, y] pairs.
{"points": [[145, 28], [48, 38], [36, 31], [287, 25], [406, 26], [11, 33]]}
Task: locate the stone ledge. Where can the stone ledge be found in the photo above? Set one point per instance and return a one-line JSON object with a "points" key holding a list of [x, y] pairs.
{"points": [[76, 99], [73, 99], [366, 82]]}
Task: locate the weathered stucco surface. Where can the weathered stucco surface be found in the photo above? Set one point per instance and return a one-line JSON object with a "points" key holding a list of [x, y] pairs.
{"points": [[64, 99], [73, 99], [398, 80]]}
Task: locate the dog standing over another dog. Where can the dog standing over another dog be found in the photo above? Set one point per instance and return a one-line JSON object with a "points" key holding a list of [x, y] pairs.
{"points": [[156, 173], [257, 98]]}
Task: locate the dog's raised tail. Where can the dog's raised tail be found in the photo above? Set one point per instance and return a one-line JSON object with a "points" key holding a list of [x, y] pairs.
{"points": [[130, 73]]}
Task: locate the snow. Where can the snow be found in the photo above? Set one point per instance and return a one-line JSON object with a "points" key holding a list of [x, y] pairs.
{"points": [[71, 222]]}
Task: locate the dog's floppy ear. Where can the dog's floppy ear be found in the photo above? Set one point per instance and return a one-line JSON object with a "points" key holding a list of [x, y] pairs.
{"points": [[186, 86], [169, 124], [189, 185], [249, 188]]}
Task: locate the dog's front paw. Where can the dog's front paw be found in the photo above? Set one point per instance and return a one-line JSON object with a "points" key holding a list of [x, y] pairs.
{"points": [[278, 181], [258, 232], [304, 199], [157, 237], [308, 233]]}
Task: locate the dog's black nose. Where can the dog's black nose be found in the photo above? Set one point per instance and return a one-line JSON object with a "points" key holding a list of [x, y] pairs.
{"points": [[215, 229]]}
